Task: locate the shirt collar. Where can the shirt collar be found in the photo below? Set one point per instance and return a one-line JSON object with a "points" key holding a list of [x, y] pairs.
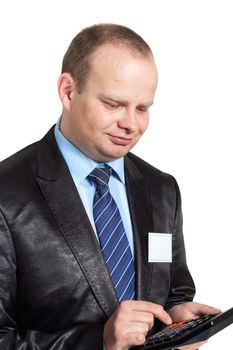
{"points": [[79, 164]]}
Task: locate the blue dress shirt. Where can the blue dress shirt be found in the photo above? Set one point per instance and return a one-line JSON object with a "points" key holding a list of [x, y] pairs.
{"points": [[81, 166]]}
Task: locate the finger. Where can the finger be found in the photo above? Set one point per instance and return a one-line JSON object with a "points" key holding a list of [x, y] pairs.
{"points": [[192, 346], [202, 309], [135, 339], [189, 310], [137, 327], [141, 316], [146, 306]]}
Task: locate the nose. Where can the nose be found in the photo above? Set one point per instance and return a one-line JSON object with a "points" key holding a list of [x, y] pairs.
{"points": [[128, 121]]}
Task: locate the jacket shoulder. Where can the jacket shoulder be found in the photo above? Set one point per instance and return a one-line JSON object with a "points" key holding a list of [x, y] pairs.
{"points": [[23, 164], [149, 171], [18, 164]]}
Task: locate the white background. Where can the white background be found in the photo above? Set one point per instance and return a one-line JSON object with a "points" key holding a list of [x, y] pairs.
{"points": [[190, 134]]}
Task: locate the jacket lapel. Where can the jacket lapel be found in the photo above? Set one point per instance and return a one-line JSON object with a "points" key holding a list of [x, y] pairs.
{"points": [[63, 199], [138, 196]]}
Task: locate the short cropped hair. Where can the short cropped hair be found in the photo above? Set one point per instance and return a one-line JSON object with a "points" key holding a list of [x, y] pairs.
{"points": [[76, 60]]}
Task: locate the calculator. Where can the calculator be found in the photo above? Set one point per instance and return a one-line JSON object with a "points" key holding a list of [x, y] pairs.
{"points": [[187, 332]]}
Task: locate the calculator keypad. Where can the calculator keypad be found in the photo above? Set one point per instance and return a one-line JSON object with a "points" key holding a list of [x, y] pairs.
{"points": [[177, 329]]}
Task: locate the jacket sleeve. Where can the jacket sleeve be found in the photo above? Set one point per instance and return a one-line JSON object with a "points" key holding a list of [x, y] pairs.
{"points": [[182, 288], [84, 337]]}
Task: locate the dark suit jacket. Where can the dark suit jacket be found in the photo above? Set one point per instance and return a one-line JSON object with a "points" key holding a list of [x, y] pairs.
{"points": [[55, 290]]}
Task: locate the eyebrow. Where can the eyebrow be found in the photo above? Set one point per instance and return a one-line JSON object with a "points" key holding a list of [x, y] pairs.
{"points": [[124, 102]]}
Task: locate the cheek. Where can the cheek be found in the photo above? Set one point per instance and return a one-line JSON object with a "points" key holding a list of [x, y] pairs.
{"points": [[100, 119], [143, 124]]}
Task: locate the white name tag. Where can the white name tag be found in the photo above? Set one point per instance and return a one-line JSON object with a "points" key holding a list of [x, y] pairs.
{"points": [[159, 247]]}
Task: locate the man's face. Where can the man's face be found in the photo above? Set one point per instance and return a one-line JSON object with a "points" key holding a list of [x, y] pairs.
{"points": [[111, 113]]}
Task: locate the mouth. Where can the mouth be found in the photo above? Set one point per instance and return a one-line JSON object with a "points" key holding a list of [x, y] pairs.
{"points": [[120, 141]]}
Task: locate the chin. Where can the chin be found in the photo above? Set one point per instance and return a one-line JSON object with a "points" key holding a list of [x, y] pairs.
{"points": [[117, 156], [107, 156], [110, 157]]}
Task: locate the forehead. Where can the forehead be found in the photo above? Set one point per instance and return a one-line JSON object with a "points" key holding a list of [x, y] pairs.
{"points": [[119, 66], [116, 54]]}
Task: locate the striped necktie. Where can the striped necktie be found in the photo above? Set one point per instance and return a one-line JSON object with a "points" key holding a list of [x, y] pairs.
{"points": [[112, 236]]}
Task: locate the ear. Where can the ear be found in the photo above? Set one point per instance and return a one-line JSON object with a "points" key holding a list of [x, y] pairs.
{"points": [[66, 88]]}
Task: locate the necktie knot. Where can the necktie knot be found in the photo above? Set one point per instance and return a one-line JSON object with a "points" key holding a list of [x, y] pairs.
{"points": [[100, 176]]}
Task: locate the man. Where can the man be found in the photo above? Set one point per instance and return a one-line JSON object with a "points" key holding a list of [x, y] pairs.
{"points": [[77, 207]]}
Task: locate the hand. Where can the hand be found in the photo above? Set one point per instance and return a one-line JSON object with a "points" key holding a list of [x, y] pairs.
{"points": [[195, 346], [189, 311], [130, 323]]}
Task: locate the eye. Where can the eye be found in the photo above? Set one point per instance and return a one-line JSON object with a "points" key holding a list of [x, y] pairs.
{"points": [[111, 105], [142, 109]]}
